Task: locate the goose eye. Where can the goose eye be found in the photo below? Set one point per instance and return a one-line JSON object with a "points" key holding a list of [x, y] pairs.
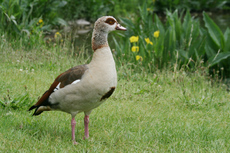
{"points": [[110, 21]]}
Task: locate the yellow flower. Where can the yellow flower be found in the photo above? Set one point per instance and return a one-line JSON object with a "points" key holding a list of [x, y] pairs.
{"points": [[148, 41], [148, 9], [133, 39], [40, 21], [138, 57], [156, 34], [135, 49], [57, 34]]}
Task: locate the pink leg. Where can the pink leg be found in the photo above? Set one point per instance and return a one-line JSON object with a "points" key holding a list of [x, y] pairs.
{"points": [[73, 123], [86, 121]]}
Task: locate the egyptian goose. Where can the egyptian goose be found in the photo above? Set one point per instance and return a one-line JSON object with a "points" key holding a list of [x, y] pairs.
{"points": [[84, 87]]}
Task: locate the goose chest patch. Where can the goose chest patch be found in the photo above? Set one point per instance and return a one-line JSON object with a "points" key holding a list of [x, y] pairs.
{"points": [[108, 94]]}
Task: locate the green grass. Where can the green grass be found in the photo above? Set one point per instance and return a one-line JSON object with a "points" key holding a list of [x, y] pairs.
{"points": [[161, 112]]}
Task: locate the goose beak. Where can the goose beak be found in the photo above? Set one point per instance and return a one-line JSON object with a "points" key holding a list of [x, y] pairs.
{"points": [[119, 27]]}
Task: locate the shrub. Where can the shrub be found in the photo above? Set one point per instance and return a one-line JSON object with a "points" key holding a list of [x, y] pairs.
{"points": [[194, 5], [19, 17], [180, 41]]}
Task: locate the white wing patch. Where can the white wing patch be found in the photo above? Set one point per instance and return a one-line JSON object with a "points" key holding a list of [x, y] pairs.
{"points": [[58, 86], [76, 81]]}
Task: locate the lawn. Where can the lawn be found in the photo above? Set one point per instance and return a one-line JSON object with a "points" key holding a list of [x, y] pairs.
{"points": [[167, 111]]}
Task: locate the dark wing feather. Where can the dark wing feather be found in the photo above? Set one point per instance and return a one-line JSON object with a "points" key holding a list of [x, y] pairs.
{"points": [[65, 78], [71, 75]]}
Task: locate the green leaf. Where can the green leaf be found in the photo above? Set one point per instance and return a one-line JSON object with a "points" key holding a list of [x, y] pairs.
{"points": [[183, 54], [187, 24], [61, 21], [128, 22], [26, 31], [159, 24], [62, 3], [116, 43], [209, 51], [227, 39], [187, 20], [218, 58], [214, 31]]}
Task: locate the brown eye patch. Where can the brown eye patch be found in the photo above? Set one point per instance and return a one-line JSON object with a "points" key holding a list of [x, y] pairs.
{"points": [[110, 21]]}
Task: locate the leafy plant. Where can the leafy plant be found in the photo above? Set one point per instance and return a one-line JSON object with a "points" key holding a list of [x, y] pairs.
{"points": [[22, 16], [194, 5], [20, 102], [217, 46], [8, 16], [160, 45], [178, 42], [86, 9]]}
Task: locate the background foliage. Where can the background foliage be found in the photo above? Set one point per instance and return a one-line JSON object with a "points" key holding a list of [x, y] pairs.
{"points": [[183, 41], [193, 5]]}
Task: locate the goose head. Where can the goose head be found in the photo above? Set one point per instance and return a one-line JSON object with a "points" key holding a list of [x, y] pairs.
{"points": [[107, 24], [102, 27]]}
